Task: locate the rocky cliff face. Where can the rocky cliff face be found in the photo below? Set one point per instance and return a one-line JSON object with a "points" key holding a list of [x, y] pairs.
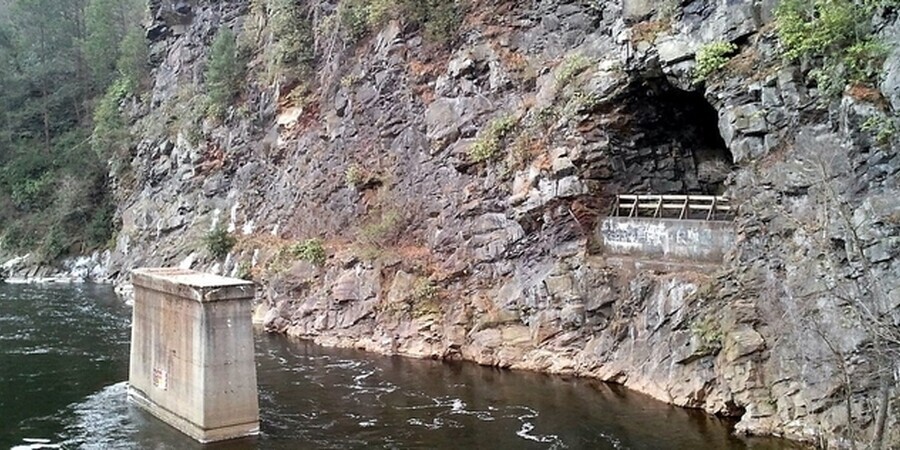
{"points": [[457, 190]]}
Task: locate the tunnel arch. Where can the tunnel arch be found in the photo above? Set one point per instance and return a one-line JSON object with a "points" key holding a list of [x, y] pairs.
{"points": [[664, 140]]}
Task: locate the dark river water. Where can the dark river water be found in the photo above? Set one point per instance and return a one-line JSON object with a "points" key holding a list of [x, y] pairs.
{"points": [[64, 365]]}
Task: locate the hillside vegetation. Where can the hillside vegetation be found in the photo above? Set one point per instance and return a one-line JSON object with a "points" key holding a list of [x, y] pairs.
{"points": [[57, 61]]}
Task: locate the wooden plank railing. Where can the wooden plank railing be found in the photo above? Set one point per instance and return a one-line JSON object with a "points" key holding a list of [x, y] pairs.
{"points": [[703, 207]]}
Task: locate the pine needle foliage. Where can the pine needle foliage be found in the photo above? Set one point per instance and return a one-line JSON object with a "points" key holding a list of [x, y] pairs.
{"points": [[224, 71]]}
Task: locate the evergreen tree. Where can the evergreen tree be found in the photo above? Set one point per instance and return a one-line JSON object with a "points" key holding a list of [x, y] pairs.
{"points": [[108, 23], [109, 127], [8, 95], [294, 36], [134, 56], [224, 70], [55, 55], [102, 40], [46, 57]]}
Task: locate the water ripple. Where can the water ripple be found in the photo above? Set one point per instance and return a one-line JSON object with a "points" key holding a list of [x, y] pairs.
{"points": [[64, 352]]}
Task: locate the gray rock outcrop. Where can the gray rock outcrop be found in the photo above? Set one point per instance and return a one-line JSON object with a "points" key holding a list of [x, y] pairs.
{"points": [[435, 253]]}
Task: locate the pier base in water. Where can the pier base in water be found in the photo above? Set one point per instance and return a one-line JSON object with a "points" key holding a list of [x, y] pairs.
{"points": [[192, 355]]}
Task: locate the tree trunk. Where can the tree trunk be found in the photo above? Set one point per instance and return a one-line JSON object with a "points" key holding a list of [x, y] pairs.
{"points": [[44, 94], [46, 122]]}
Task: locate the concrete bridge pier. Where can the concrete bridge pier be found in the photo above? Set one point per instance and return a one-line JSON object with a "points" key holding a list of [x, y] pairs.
{"points": [[192, 353]]}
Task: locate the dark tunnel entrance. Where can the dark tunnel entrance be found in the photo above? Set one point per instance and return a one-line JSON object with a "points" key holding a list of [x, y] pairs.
{"points": [[665, 140]]}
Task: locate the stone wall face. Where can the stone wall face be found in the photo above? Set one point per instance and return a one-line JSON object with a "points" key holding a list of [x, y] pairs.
{"points": [[434, 254], [690, 240]]}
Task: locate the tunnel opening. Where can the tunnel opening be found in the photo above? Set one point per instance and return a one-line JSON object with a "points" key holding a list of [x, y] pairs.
{"points": [[665, 140]]}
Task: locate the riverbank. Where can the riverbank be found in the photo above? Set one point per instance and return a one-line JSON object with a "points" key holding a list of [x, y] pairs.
{"points": [[69, 348], [652, 344], [661, 359], [647, 360], [27, 269]]}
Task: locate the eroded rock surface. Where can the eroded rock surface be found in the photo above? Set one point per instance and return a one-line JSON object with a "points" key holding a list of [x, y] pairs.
{"points": [[434, 254]]}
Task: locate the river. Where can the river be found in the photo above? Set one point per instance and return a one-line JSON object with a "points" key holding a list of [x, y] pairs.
{"points": [[64, 365]]}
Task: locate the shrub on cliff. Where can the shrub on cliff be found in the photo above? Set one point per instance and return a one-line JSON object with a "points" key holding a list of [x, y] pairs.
{"points": [[711, 58], [572, 66], [219, 242], [835, 36], [355, 176], [134, 59], [110, 133], [354, 19], [224, 72], [385, 228], [440, 19], [53, 245], [488, 144], [293, 33], [244, 271], [310, 250]]}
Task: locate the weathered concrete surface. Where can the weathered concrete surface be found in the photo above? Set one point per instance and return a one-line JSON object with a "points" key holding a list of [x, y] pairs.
{"points": [[192, 360], [696, 240]]}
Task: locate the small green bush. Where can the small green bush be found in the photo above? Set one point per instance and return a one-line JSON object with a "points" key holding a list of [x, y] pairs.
{"points": [[133, 64], [359, 17], [710, 335], [711, 58], [354, 19], [441, 19], [33, 194], [581, 102], [354, 176], [293, 51], [219, 242], [425, 296], [424, 290], [244, 271], [19, 236], [547, 116], [882, 128], [110, 135], [571, 67], [378, 12], [488, 144], [310, 250], [835, 36], [101, 227], [213, 110], [293, 31], [187, 112], [347, 81], [53, 246], [387, 228], [816, 28], [300, 95]]}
